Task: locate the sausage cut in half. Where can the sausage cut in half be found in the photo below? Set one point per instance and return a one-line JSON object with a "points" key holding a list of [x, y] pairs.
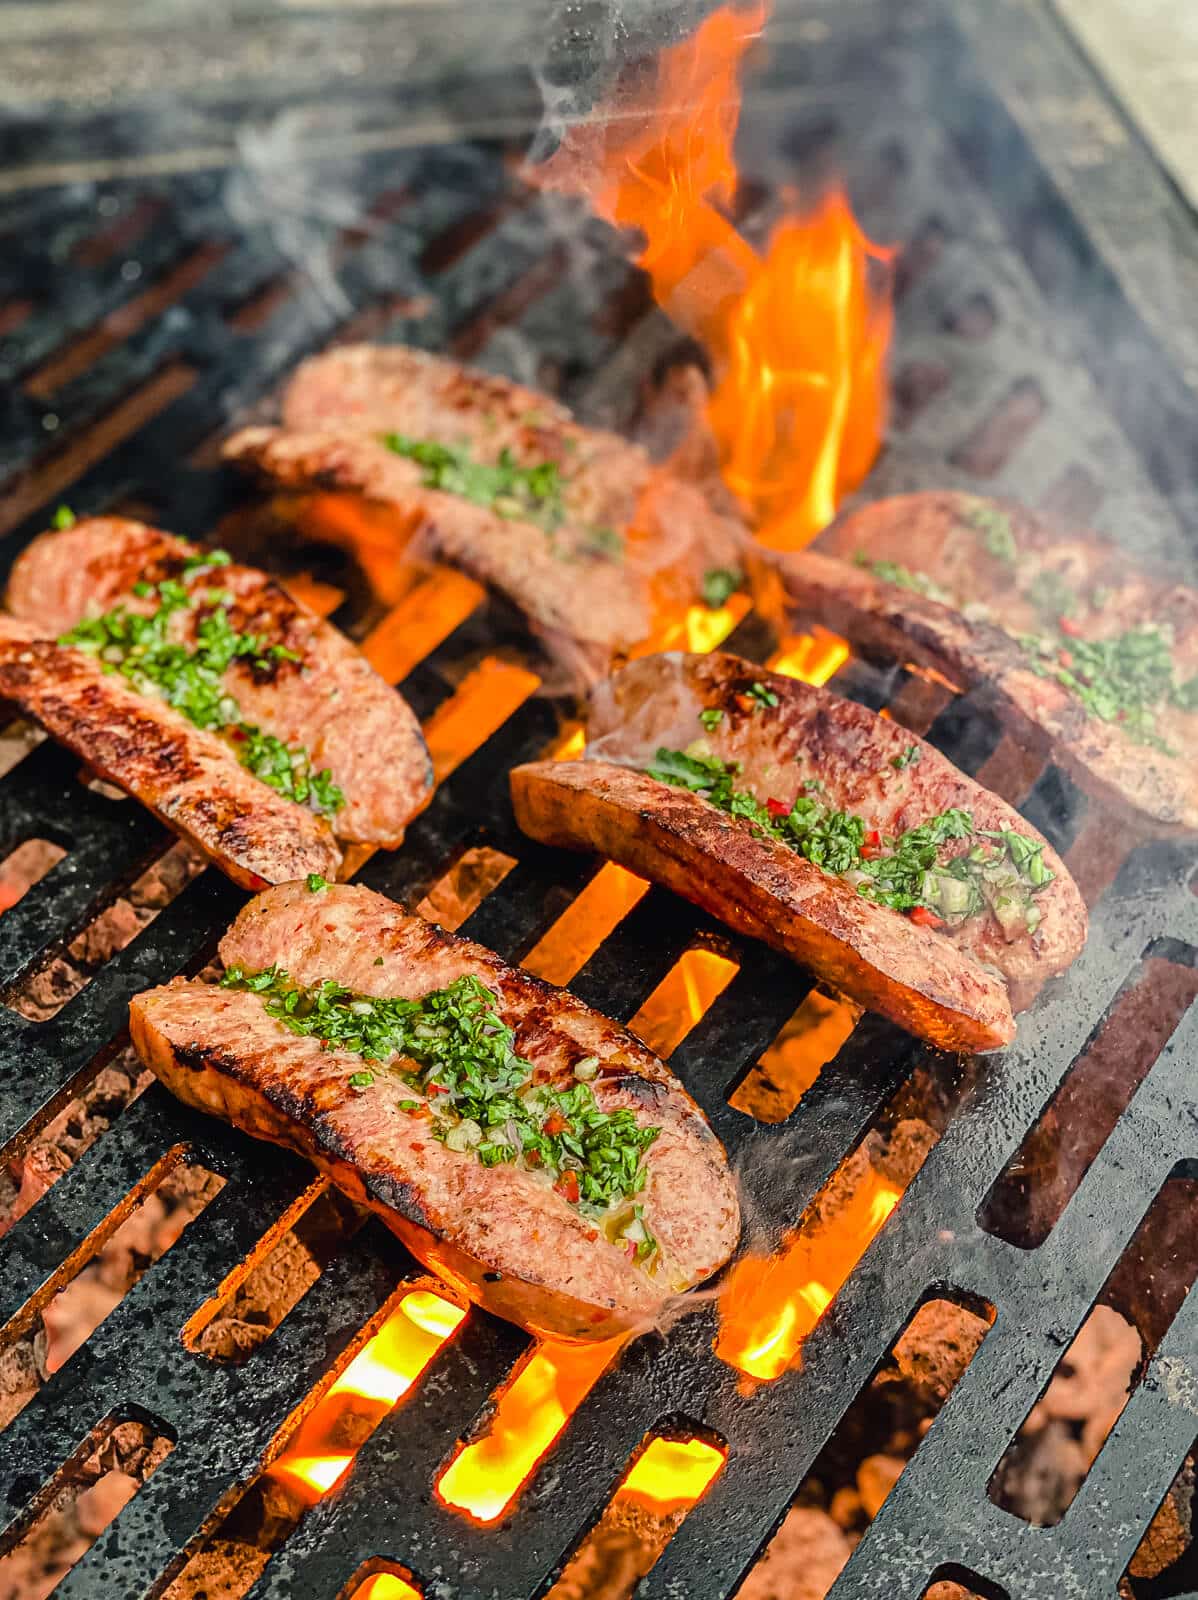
{"points": [[533, 1153], [827, 831]]}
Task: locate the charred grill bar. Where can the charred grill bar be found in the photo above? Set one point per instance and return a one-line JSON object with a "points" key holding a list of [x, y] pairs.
{"points": [[1030, 358]]}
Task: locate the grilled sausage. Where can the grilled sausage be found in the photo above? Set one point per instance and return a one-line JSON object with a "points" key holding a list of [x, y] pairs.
{"points": [[631, 538], [186, 776], [953, 986], [322, 694], [500, 1234], [989, 573]]}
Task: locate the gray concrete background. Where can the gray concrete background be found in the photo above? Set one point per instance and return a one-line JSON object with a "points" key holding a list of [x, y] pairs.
{"points": [[1148, 52]]}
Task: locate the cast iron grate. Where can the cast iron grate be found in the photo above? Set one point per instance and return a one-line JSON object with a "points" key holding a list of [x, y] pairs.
{"points": [[115, 399]]}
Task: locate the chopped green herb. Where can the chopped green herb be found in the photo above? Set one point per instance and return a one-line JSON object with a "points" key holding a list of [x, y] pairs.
{"points": [[762, 695], [995, 525], [903, 872], [378, 961], [204, 561], [711, 717], [63, 518], [191, 679], [904, 577], [361, 1080], [533, 494], [316, 883], [479, 1092], [910, 757], [720, 584], [1126, 679]]}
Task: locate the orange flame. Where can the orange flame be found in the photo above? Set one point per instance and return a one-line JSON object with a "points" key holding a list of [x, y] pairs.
{"points": [[772, 1303], [324, 1445], [483, 1478], [799, 335]]}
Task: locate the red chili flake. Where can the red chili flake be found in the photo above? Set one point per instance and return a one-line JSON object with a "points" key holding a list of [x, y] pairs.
{"points": [[925, 918], [777, 808], [1065, 657], [590, 1235], [567, 1186], [330, 927], [871, 845], [1068, 626], [555, 1123], [742, 702], [533, 1158], [435, 1088]]}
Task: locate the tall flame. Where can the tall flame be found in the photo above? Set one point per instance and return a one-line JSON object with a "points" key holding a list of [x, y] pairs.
{"points": [[798, 335]]}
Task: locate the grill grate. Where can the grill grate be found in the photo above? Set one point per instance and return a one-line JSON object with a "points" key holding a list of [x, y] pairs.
{"points": [[119, 397]]}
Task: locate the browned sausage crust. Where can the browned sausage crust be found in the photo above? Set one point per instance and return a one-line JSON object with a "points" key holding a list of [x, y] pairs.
{"points": [[994, 572], [320, 693], [188, 777], [630, 536], [952, 985], [500, 1234]]}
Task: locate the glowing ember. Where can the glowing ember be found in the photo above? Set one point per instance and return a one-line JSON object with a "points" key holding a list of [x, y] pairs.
{"points": [[483, 1478], [384, 1586], [326, 1442], [772, 1303], [811, 657], [584, 924], [482, 702], [673, 1473], [695, 628], [686, 992], [798, 336]]}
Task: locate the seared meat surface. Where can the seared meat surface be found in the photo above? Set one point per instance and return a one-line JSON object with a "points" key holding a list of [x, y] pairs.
{"points": [[188, 777], [583, 534], [304, 684], [1088, 659], [951, 979], [503, 1234]]}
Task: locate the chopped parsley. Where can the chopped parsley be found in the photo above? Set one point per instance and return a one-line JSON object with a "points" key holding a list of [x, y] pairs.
{"points": [[994, 525], [761, 695], [191, 677], [719, 585], [1126, 679], [533, 494], [316, 883], [479, 1093], [905, 872], [910, 757], [711, 717], [904, 577], [64, 518]]}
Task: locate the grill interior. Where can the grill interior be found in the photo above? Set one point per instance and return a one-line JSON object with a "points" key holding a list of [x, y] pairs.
{"points": [[1023, 365]]}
